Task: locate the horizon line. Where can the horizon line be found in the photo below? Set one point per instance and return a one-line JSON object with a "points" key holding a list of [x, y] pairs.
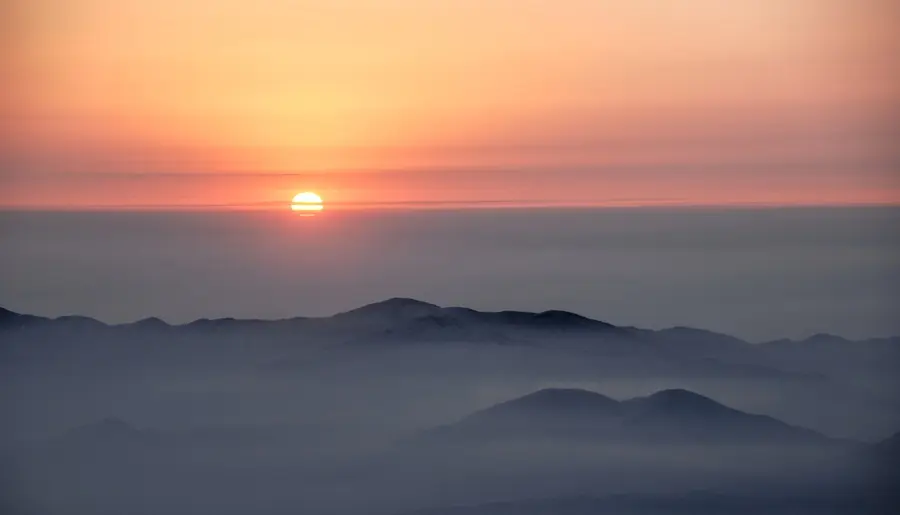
{"points": [[437, 205]]}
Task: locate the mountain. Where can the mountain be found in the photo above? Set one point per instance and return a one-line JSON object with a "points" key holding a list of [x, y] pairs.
{"points": [[12, 320], [699, 343], [681, 415], [835, 356], [668, 416], [548, 413], [570, 345], [394, 313], [391, 310], [148, 324], [401, 336], [397, 315], [553, 319]]}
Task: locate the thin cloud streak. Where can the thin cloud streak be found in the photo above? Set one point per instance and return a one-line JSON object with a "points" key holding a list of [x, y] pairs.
{"points": [[440, 205]]}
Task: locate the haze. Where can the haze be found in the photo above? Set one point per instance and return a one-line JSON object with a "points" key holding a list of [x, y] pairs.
{"points": [[756, 273]]}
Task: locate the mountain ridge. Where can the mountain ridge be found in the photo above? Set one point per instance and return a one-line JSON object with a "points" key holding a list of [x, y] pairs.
{"points": [[666, 416], [403, 309]]}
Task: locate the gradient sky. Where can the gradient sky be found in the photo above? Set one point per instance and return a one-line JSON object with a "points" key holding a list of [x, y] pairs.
{"points": [[227, 102]]}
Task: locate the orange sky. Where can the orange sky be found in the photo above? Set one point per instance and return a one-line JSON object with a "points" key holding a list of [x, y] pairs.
{"points": [[170, 102]]}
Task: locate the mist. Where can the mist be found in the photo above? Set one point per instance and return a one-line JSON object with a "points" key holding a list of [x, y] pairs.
{"points": [[831, 270], [403, 407]]}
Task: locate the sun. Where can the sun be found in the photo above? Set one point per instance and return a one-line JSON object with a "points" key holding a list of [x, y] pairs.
{"points": [[306, 201]]}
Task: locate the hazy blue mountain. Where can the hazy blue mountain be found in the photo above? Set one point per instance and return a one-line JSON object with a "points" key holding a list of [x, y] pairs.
{"points": [[678, 414], [665, 417], [397, 340], [398, 315], [277, 417]]}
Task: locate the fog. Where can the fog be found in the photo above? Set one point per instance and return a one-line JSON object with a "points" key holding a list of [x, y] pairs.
{"points": [[405, 407], [500, 399], [831, 270]]}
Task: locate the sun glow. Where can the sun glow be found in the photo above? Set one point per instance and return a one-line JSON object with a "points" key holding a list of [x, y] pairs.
{"points": [[306, 201]]}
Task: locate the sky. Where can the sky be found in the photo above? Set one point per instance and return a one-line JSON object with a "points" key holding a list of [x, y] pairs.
{"points": [[204, 103]]}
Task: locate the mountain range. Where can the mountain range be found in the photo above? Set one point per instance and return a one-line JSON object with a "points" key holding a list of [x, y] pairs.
{"points": [[402, 338], [414, 406], [399, 314]]}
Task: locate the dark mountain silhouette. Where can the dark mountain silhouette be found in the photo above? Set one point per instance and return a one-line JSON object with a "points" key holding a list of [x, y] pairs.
{"points": [[562, 401], [149, 325], [12, 320], [548, 413], [399, 313], [409, 309], [572, 346], [402, 319], [679, 414], [393, 309], [668, 416], [554, 319]]}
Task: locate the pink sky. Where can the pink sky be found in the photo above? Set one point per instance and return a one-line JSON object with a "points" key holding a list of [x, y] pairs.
{"points": [[208, 102]]}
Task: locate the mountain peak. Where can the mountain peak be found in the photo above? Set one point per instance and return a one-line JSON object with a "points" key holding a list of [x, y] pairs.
{"points": [[5, 313], [565, 319], [149, 323], [557, 396], [404, 302], [11, 319], [825, 339], [548, 413], [557, 401], [668, 416], [678, 395], [397, 307], [681, 401]]}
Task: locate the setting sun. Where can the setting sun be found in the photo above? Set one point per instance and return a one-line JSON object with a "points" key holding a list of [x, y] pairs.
{"points": [[306, 201]]}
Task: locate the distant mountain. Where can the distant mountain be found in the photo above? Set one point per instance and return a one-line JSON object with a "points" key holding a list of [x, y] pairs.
{"points": [[835, 356], [398, 314], [668, 416], [148, 324], [548, 413], [392, 310], [678, 414], [699, 343], [572, 345], [554, 319], [12, 320]]}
